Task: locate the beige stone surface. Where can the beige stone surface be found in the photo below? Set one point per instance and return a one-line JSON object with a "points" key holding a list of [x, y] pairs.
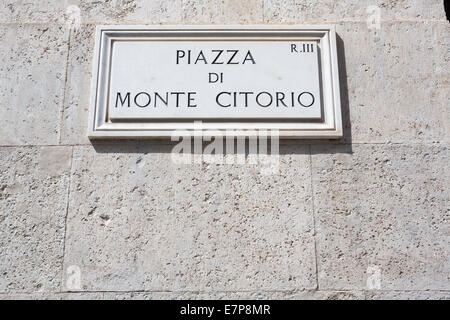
{"points": [[384, 206], [33, 198], [24, 11], [32, 75], [274, 295], [394, 82], [321, 11], [133, 11], [137, 221], [218, 11], [223, 11], [142, 227], [236, 295], [77, 98], [54, 296], [408, 295], [88, 11]]}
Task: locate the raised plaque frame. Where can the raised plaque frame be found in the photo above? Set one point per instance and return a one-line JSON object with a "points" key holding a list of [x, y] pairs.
{"points": [[329, 127]]}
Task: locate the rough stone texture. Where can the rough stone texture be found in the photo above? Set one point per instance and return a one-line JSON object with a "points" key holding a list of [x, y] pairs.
{"points": [[218, 11], [24, 11], [102, 11], [397, 84], [382, 205], [262, 295], [54, 296], [146, 228], [138, 221], [223, 12], [408, 295], [76, 104], [133, 11], [321, 11], [276, 295], [32, 72], [33, 200]]}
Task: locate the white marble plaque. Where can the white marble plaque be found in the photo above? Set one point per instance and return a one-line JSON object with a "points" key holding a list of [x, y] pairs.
{"points": [[148, 81], [214, 80]]}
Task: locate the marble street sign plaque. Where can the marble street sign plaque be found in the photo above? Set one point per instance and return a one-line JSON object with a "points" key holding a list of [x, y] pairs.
{"points": [[149, 81]]}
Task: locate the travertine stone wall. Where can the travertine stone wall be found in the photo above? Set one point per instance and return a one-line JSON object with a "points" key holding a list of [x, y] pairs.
{"points": [[137, 225]]}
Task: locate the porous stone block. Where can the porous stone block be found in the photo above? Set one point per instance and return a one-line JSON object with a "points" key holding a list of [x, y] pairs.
{"points": [[77, 98], [33, 200], [87, 11], [322, 11], [138, 221], [407, 295], [132, 11], [32, 75], [54, 296], [394, 84], [23, 11], [237, 295], [223, 12], [381, 217]]}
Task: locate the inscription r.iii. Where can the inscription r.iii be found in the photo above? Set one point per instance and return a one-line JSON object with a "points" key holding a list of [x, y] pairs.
{"points": [[304, 48]]}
